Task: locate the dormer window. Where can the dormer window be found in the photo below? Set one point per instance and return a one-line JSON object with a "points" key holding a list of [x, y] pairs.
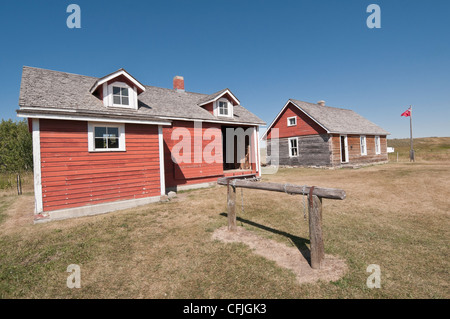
{"points": [[118, 89], [223, 108], [120, 96]]}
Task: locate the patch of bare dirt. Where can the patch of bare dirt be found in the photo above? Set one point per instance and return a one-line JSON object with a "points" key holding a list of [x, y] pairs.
{"points": [[19, 214], [287, 257]]}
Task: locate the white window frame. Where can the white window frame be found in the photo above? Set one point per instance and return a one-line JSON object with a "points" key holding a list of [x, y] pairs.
{"points": [[377, 145], [290, 147], [217, 109], [108, 100], [121, 96], [363, 151], [292, 117], [91, 137]]}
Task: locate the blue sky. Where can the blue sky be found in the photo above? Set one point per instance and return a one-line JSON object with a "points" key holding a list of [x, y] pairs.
{"points": [[264, 51]]}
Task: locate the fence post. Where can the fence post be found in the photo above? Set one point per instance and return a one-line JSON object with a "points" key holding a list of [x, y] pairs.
{"points": [[315, 231], [231, 201], [19, 185]]}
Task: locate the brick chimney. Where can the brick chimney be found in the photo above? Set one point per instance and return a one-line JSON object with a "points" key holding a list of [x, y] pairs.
{"points": [[178, 83], [321, 103]]}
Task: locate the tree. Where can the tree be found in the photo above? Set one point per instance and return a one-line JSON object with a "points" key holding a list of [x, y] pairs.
{"points": [[16, 147]]}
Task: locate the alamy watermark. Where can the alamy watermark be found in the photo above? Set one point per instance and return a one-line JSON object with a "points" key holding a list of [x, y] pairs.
{"points": [[74, 19], [374, 19], [74, 279], [374, 280], [236, 147]]}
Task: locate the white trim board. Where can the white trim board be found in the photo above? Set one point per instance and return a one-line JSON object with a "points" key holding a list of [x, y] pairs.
{"points": [[162, 177], [37, 166], [88, 118]]}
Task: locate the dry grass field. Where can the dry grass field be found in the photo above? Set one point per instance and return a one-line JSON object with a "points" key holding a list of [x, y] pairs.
{"points": [[426, 149], [395, 215]]}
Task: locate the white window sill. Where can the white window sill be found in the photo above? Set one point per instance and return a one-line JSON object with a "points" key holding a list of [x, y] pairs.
{"points": [[106, 150]]}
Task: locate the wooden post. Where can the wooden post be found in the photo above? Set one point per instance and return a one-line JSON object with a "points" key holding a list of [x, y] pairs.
{"points": [[315, 231], [231, 202], [19, 185]]}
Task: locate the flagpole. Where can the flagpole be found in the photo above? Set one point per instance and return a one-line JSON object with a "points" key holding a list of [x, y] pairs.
{"points": [[411, 152]]}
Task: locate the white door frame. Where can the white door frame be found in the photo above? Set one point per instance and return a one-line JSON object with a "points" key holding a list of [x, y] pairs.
{"points": [[345, 147]]}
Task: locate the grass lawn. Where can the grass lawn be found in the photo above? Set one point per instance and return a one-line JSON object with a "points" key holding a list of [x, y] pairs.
{"points": [[395, 215]]}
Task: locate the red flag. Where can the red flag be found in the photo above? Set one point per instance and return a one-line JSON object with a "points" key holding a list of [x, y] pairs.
{"points": [[407, 112]]}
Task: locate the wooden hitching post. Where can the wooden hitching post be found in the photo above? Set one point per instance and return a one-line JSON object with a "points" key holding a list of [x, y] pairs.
{"points": [[231, 201], [315, 231]]}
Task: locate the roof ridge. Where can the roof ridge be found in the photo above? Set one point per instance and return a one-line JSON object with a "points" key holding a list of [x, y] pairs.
{"points": [[315, 104]]}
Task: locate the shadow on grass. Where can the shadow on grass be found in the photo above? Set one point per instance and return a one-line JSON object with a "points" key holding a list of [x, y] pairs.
{"points": [[299, 242]]}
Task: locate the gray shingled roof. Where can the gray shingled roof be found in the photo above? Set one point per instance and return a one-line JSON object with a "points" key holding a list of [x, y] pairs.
{"points": [[337, 120], [54, 89]]}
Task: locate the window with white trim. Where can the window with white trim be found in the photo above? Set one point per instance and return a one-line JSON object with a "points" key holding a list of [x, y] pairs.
{"points": [[362, 140], [377, 145], [120, 96], [223, 108], [106, 137], [293, 146], [292, 121]]}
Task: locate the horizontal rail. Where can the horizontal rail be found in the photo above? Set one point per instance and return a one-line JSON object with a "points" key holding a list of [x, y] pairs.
{"points": [[330, 193]]}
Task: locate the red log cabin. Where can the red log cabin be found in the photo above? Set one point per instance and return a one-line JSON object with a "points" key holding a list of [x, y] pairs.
{"points": [[102, 144], [308, 134]]}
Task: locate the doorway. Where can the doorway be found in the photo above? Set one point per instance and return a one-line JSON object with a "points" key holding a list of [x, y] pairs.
{"points": [[236, 163], [344, 149]]}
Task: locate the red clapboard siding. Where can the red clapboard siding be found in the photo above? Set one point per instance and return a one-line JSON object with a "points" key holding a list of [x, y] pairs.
{"points": [[191, 173], [73, 177], [305, 125]]}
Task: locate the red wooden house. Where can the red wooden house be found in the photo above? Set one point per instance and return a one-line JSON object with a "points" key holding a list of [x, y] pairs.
{"points": [[102, 144], [309, 134]]}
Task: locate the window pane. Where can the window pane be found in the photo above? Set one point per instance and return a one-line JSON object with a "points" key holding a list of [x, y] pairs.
{"points": [[293, 143], [100, 143], [116, 99], [113, 142], [124, 91], [100, 131], [113, 132], [116, 90], [124, 100]]}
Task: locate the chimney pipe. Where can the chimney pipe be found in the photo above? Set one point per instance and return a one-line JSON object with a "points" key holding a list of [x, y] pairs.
{"points": [[178, 83], [321, 103]]}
